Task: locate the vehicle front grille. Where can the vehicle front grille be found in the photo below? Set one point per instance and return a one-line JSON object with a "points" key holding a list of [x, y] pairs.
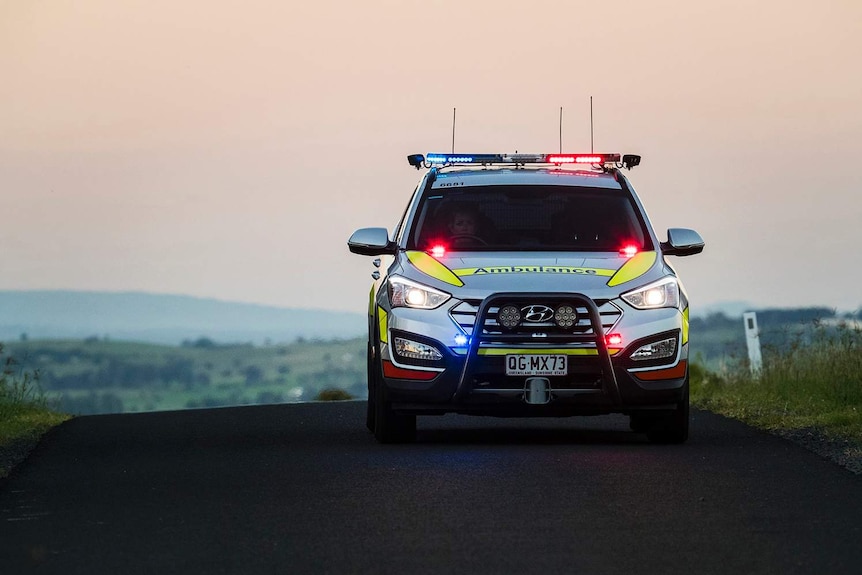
{"points": [[464, 314]]}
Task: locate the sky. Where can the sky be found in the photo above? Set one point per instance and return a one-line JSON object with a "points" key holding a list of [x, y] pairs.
{"points": [[228, 149]]}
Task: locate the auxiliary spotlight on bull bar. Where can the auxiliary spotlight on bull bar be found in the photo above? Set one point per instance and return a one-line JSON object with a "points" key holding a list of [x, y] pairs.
{"points": [[609, 384], [605, 161]]}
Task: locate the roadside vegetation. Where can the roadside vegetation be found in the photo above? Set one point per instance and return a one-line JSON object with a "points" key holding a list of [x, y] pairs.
{"points": [[812, 383], [811, 377], [333, 395], [98, 375], [25, 415]]}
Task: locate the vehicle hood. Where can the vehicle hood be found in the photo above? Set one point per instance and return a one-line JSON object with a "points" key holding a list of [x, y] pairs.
{"points": [[482, 273]]}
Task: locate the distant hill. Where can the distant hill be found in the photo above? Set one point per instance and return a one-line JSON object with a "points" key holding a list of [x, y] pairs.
{"points": [[166, 319], [729, 308]]}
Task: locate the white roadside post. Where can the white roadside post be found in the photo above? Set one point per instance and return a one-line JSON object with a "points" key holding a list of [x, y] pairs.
{"points": [[752, 338]]}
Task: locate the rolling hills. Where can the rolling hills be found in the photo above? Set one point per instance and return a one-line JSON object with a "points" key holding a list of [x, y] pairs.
{"points": [[163, 319]]}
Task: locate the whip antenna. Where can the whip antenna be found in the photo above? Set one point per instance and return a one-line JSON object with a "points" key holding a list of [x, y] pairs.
{"points": [[453, 130], [561, 129], [591, 125]]}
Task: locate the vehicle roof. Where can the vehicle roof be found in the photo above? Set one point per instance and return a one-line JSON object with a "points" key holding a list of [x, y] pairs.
{"points": [[547, 176]]}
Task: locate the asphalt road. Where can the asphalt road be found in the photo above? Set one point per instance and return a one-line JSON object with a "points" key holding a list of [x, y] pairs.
{"points": [[305, 489]]}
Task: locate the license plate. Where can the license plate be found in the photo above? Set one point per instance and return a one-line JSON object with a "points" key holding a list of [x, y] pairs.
{"points": [[536, 364]]}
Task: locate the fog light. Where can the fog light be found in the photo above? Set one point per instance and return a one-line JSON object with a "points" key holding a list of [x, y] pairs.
{"points": [[415, 350], [656, 350], [565, 316], [509, 316]]}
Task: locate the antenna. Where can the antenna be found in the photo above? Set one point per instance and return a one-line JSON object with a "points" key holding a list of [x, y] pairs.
{"points": [[453, 130], [591, 126], [561, 129]]}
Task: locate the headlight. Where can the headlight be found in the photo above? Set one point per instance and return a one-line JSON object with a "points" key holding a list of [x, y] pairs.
{"points": [[663, 293], [407, 293]]}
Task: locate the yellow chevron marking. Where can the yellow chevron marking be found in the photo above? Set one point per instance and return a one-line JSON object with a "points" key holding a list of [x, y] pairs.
{"points": [[685, 326], [430, 266], [383, 318], [633, 269]]}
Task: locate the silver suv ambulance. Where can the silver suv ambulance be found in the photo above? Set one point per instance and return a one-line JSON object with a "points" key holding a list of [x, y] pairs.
{"points": [[523, 285]]}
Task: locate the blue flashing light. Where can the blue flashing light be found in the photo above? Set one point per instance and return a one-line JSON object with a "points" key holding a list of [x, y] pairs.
{"points": [[443, 159], [462, 340]]}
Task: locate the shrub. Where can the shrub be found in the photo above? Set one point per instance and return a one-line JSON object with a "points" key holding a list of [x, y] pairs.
{"points": [[333, 395], [18, 386]]}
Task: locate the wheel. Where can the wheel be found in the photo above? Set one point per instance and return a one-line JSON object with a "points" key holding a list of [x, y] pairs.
{"points": [[369, 409], [673, 427], [389, 425], [639, 423]]}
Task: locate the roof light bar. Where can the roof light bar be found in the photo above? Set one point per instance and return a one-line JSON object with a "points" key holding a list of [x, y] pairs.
{"points": [[429, 160], [592, 159], [524, 158], [443, 159]]}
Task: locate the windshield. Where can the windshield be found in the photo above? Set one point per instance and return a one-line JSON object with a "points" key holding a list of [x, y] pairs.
{"points": [[527, 218]]}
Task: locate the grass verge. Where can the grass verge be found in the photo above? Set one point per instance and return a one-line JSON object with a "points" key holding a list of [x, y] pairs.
{"points": [[24, 414], [813, 385], [333, 394]]}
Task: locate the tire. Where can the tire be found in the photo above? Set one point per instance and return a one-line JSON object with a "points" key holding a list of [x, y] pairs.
{"points": [[673, 427], [390, 426], [639, 423]]}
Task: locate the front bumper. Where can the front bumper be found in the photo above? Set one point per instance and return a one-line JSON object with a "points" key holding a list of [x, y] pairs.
{"points": [[599, 380]]}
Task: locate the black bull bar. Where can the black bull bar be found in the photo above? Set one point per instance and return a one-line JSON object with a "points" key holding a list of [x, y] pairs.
{"points": [[609, 384]]}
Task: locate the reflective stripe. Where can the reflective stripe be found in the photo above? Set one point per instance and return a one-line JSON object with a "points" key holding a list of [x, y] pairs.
{"points": [[531, 269], [685, 327], [633, 269], [371, 301], [670, 373], [430, 266], [536, 351], [395, 372], [384, 324]]}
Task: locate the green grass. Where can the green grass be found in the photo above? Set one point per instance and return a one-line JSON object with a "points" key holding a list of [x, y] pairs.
{"points": [[333, 395], [814, 384], [24, 413]]}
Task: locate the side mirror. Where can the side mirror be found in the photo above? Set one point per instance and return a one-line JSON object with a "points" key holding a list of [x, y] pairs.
{"points": [[371, 242], [682, 242]]}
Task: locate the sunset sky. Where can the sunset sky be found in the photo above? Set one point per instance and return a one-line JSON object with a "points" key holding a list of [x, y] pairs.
{"points": [[229, 148]]}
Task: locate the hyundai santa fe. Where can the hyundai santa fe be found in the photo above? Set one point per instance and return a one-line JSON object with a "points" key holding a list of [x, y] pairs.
{"points": [[526, 285]]}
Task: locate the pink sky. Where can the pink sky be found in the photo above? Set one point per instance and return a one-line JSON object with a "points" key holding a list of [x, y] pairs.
{"points": [[228, 149]]}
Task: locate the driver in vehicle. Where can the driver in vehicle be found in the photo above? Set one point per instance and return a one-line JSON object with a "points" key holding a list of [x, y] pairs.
{"points": [[463, 223], [465, 227]]}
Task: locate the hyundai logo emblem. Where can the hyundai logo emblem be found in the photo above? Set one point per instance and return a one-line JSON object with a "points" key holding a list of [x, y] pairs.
{"points": [[537, 313]]}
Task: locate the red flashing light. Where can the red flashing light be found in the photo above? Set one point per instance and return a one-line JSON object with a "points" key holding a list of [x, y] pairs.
{"points": [[614, 339], [572, 159], [629, 250], [438, 251], [589, 159]]}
